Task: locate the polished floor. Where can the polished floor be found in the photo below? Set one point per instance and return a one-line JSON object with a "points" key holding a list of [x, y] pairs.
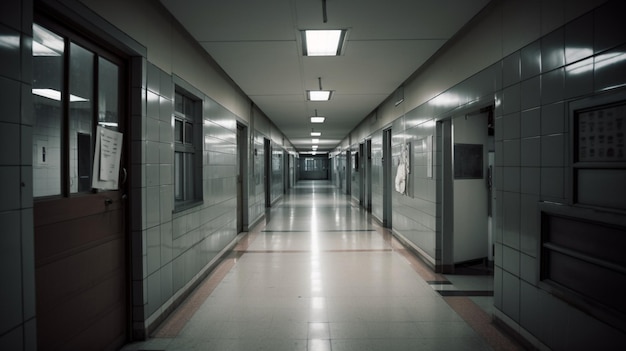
{"points": [[320, 274]]}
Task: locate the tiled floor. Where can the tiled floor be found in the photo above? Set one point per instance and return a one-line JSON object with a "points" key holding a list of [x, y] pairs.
{"points": [[319, 274]]}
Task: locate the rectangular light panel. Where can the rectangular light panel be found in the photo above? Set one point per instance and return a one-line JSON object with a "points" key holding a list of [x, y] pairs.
{"points": [[319, 95], [322, 42]]}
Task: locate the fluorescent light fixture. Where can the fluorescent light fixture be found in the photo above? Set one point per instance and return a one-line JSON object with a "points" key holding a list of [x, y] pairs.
{"points": [[314, 147], [323, 42], [315, 141], [108, 124], [319, 95], [317, 119], [316, 134], [56, 95], [313, 152]]}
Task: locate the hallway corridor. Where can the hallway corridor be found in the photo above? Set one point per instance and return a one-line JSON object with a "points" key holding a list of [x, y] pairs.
{"points": [[320, 274]]}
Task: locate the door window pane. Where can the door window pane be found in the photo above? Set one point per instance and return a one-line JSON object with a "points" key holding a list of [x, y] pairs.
{"points": [[81, 83], [48, 57], [73, 90], [108, 91]]}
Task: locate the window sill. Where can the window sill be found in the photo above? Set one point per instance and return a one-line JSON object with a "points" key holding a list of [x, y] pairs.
{"points": [[184, 206]]}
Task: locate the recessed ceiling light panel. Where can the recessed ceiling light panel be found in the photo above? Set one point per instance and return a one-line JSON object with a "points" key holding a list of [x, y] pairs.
{"points": [[323, 42], [319, 95]]}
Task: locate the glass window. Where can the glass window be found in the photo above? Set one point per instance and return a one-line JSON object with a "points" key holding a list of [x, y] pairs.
{"points": [[187, 152], [81, 81], [73, 89], [48, 59], [108, 92], [313, 164]]}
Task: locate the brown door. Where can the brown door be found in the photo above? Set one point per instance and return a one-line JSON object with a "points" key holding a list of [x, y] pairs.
{"points": [[80, 228]]}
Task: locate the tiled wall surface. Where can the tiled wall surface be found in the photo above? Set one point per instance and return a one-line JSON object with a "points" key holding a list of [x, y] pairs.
{"points": [[531, 89], [414, 213], [533, 159], [179, 245], [17, 298]]}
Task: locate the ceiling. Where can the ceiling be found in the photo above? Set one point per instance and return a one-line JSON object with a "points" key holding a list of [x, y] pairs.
{"points": [[257, 43]]}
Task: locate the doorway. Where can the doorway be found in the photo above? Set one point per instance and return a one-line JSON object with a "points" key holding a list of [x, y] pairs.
{"points": [[367, 165], [467, 190], [242, 180], [267, 173], [79, 189], [361, 171]]}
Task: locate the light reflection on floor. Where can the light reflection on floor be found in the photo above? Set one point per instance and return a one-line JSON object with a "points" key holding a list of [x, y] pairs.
{"points": [[321, 275]]}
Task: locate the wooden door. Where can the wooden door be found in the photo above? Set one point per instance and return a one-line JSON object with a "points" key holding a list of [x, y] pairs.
{"points": [[80, 232]]}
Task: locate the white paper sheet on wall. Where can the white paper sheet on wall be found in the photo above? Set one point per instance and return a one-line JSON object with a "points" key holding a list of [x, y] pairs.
{"points": [[107, 156]]}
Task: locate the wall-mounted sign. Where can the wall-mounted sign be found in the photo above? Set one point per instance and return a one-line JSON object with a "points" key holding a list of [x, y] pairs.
{"points": [[468, 161], [600, 133], [107, 156]]}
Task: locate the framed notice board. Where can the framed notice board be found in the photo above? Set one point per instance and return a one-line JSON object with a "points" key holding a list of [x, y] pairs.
{"points": [[598, 144], [468, 161]]}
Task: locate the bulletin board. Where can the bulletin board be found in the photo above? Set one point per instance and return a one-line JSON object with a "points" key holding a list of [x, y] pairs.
{"points": [[468, 161], [107, 156]]}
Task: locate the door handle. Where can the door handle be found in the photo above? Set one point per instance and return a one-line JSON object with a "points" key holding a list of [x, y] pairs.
{"points": [[108, 201]]}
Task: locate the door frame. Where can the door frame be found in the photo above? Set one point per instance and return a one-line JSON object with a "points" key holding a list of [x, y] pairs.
{"points": [[367, 158], [445, 262], [242, 179], [387, 178], [361, 169], [78, 16], [78, 206], [267, 174]]}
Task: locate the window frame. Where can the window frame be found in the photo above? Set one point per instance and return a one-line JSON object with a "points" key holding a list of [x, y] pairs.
{"points": [[189, 147], [100, 52]]}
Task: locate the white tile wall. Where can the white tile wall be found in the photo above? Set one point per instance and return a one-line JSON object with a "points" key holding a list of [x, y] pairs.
{"points": [[529, 224], [530, 123], [532, 146], [511, 260], [511, 295]]}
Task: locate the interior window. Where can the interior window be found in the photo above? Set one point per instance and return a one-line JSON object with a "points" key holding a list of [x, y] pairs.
{"points": [[187, 175], [74, 89]]}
